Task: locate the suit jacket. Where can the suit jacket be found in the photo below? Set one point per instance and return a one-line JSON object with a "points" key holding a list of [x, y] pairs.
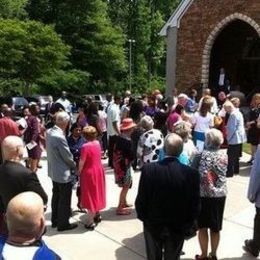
{"points": [[14, 179], [235, 128], [168, 195], [60, 159], [254, 184]]}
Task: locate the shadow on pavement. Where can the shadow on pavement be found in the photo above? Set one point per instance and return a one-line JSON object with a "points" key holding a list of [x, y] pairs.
{"points": [[110, 215], [133, 248]]}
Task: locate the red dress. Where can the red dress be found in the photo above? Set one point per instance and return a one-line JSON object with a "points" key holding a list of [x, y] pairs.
{"points": [[92, 178]]}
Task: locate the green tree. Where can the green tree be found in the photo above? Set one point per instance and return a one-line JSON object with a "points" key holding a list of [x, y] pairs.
{"points": [[13, 8], [29, 50], [97, 45]]}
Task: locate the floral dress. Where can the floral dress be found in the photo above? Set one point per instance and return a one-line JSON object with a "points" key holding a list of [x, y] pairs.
{"points": [[213, 168], [122, 159]]}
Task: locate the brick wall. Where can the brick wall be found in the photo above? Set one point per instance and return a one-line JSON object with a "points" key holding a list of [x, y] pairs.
{"points": [[199, 22]]}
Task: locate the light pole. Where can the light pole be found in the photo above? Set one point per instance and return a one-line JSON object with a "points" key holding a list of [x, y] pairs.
{"points": [[130, 63]]}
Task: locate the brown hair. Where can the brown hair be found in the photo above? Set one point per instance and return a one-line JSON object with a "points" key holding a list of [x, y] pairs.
{"points": [[205, 106], [254, 100], [89, 132]]}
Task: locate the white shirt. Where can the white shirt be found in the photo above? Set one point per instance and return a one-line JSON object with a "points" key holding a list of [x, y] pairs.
{"points": [[202, 124], [11, 252], [65, 103], [221, 80], [214, 108], [113, 115]]}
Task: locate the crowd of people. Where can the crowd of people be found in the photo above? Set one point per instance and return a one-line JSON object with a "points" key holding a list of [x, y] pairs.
{"points": [[176, 142]]}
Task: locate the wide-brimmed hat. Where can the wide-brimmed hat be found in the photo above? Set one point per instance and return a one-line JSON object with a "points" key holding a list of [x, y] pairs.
{"points": [[127, 124]]}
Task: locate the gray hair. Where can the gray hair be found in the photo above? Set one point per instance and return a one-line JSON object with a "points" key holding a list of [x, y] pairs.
{"points": [[213, 138], [147, 122], [62, 117], [183, 129], [173, 145]]}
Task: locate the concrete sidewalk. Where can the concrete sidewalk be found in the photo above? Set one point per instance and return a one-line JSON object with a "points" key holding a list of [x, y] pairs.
{"points": [[120, 237]]}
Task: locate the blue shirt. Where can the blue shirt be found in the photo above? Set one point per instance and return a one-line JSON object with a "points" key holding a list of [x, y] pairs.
{"points": [[75, 146]]}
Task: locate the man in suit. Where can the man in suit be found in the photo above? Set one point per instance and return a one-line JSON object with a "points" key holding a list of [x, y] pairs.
{"points": [[236, 136], [167, 202], [48, 108], [253, 245], [60, 165], [14, 177]]}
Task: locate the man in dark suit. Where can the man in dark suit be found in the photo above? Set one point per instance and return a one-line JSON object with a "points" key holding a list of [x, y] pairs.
{"points": [[60, 165], [167, 202], [14, 177], [48, 109]]}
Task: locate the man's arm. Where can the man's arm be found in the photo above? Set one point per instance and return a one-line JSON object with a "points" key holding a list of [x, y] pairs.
{"points": [[194, 196], [254, 184], [231, 127], [141, 199], [64, 150], [33, 184]]}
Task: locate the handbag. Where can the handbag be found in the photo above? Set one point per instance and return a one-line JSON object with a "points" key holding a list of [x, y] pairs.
{"points": [[217, 121]]}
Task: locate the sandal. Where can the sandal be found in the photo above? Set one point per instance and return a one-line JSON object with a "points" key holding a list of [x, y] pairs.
{"points": [[128, 205], [123, 211], [198, 257], [212, 257]]}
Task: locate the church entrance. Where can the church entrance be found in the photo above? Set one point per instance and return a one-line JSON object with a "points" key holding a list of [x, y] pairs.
{"points": [[237, 50]]}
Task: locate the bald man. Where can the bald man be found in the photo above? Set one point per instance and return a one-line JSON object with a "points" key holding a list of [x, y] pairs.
{"points": [[14, 177], [167, 202], [26, 225]]}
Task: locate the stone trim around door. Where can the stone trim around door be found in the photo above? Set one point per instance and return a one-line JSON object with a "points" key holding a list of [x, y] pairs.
{"points": [[212, 37]]}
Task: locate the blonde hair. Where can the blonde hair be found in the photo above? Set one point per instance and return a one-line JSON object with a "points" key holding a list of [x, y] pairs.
{"points": [[255, 100], [89, 132]]}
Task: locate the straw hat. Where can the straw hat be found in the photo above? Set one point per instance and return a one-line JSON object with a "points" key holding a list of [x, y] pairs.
{"points": [[127, 124]]}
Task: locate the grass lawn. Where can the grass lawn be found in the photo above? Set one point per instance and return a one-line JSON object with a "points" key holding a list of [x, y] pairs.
{"points": [[246, 148]]}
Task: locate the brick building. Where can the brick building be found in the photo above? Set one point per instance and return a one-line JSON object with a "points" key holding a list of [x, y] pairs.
{"points": [[206, 35]]}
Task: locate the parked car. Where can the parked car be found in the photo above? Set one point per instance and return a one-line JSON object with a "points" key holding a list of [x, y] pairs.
{"points": [[41, 101], [16, 103], [98, 98]]}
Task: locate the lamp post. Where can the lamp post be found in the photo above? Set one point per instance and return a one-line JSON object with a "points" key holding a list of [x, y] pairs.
{"points": [[131, 41]]}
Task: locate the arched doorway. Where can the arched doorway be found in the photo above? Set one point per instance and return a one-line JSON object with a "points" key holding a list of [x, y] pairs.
{"points": [[237, 49]]}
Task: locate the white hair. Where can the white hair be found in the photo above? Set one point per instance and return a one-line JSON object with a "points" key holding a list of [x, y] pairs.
{"points": [[213, 138], [62, 117], [173, 145], [147, 122]]}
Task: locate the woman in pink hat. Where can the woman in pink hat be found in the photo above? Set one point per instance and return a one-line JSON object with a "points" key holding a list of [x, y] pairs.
{"points": [[122, 158]]}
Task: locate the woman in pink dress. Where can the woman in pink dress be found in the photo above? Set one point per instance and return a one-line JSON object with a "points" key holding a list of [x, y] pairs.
{"points": [[92, 178]]}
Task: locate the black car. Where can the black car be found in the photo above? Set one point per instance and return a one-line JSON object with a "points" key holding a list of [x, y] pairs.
{"points": [[16, 103], [41, 101]]}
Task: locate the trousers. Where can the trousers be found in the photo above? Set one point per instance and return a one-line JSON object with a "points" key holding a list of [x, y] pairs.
{"points": [[162, 243], [234, 152], [60, 204], [256, 236], [111, 144]]}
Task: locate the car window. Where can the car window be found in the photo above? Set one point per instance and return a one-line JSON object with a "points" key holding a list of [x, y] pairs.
{"points": [[20, 101], [97, 98]]}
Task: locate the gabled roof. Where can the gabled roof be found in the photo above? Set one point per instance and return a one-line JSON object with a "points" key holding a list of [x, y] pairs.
{"points": [[174, 20]]}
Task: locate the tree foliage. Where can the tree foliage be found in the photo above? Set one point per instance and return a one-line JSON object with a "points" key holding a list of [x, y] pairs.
{"points": [[29, 50], [97, 45], [142, 20], [13, 8]]}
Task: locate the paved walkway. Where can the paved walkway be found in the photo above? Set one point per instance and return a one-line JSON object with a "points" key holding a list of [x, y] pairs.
{"points": [[120, 237]]}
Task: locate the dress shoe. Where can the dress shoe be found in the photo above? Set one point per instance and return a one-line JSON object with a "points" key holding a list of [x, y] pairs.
{"points": [[248, 247], [97, 219], [68, 227], [90, 227]]}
